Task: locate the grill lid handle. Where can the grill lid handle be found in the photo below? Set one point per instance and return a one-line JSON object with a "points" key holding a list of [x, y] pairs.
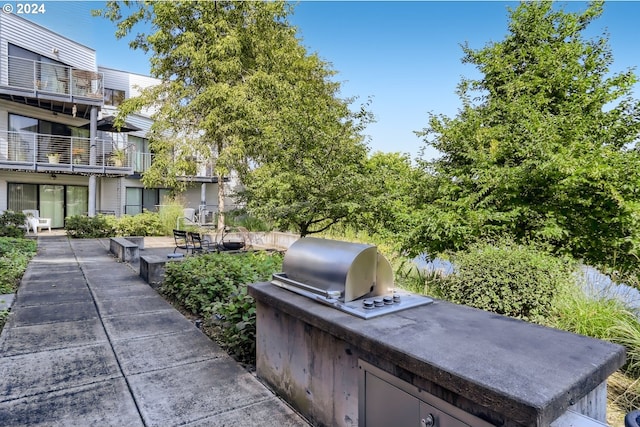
{"points": [[281, 279]]}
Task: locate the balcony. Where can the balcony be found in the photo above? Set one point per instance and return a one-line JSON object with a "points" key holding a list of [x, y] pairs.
{"points": [[28, 151], [53, 81]]}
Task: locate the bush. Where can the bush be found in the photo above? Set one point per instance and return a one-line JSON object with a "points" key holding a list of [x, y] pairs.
{"points": [[410, 277], [15, 254], [507, 278], [83, 227], [10, 223], [236, 319], [213, 286], [240, 218], [599, 316], [169, 213], [143, 224]]}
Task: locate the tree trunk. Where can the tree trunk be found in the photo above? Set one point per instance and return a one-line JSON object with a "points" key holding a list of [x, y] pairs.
{"points": [[221, 194]]}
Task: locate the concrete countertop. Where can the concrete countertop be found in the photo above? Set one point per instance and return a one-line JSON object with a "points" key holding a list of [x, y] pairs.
{"points": [[524, 371]]}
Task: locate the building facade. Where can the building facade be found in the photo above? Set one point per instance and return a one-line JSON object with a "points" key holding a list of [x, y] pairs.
{"points": [[58, 152]]}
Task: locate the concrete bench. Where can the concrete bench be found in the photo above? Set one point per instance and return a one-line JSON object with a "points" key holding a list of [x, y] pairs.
{"points": [[138, 240], [152, 268], [124, 250]]}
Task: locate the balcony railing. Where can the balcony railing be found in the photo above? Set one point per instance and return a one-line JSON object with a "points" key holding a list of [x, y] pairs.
{"points": [[34, 151], [52, 78]]}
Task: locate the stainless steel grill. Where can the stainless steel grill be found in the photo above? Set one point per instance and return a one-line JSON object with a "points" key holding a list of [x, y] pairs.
{"points": [[351, 277]]}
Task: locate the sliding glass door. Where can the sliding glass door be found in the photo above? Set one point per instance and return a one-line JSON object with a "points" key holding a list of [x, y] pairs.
{"points": [[53, 201], [77, 200], [52, 204]]}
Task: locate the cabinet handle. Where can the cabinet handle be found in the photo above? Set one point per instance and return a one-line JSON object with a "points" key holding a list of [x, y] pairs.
{"points": [[429, 421]]}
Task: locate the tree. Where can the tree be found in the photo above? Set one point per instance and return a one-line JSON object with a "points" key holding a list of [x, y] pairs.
{"points": [[543, 147], [239, 89], [392, 181], [205, 54], [307, 160]]}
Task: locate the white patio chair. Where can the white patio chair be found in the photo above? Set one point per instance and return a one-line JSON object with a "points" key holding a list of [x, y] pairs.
{"points": [[34, 222]]}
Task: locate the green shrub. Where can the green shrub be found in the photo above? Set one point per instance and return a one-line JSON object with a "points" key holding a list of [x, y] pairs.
{"points": [[143, 224], [11, 223], [240, 218], [213, 286], [507, 278], [83, 227], [15, 254], [626, 332], [599, 316], [169, 213], [236, 319], [418, 280], [586, 315]]}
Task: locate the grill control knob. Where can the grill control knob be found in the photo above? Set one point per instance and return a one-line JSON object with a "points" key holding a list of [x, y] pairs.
{"points": [[388, 300], [367, 304], [396, 298], [428, 421], [378, 302]]}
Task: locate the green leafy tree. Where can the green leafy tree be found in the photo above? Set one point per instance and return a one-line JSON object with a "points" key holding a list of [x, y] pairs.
{"points": [[392, 184], [308, 172], [206, 54], [239, 90], [543, 148]]}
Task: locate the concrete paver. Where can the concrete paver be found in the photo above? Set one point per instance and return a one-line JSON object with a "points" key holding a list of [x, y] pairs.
{"points": [[96, 404], [89, 343], [51, 336]]}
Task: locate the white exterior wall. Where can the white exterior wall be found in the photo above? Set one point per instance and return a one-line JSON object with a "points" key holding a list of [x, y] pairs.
{"points": [[142, 122], [110, 195], [130, 83], [45, 178], [114, 79], [33, 37], [138, 81]]}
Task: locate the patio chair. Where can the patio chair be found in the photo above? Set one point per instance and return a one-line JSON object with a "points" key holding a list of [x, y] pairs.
{"points": [[200, 245], [34, 222], [182, 241]]}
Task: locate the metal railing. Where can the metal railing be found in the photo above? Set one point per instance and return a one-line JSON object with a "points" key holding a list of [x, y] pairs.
{"points": [[30, 150], [41, 76]]}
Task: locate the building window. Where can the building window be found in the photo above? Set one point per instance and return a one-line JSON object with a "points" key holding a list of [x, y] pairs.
{"points": [[113, 97], [140, 153], [139, 199]]}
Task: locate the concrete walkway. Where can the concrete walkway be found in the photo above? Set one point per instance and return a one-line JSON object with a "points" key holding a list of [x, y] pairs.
{"points": [[88, 343]]}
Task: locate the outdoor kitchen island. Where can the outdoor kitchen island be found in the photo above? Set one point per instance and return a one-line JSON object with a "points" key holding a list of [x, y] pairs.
{"points": [[441, 364]]}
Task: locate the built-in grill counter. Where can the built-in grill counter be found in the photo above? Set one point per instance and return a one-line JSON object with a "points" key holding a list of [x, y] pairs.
{"points": [[429, 364]]}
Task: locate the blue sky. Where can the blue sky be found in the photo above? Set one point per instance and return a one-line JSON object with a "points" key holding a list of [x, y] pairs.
{"points": [[406, 56]]}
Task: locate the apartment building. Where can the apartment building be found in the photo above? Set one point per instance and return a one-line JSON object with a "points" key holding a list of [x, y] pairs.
{"points": [[59, 151]]}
